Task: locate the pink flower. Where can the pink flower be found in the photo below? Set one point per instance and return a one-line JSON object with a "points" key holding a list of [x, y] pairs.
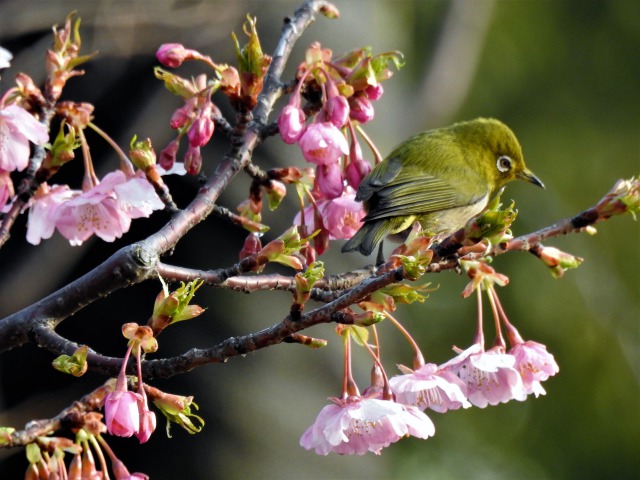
{"points": [[291, 124], [136, 196], [42, 213], [358, 425], [329, 178], [339, 217], [535, 365], [6, 188], [342, 216], [428, 387], [323, 143], [105, 210], [17, 128], [490, 376], [121, 413], [120, 471]]}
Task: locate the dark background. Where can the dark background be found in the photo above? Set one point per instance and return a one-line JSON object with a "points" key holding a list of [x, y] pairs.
{"points": [[563, 74]]}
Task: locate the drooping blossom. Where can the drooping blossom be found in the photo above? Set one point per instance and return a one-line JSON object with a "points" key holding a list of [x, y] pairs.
{"points": [[42, 213], [121, 413], [429, 387], [147, 421], [337, 110], [359, 425], [358, 167], [340, 217], [323, 143], [330, 182], [17, 128], [106, 210], [490, 376], [535, 365]]}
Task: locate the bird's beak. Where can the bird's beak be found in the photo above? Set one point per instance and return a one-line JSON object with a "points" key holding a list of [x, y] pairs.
{"points": [[528, 176]]}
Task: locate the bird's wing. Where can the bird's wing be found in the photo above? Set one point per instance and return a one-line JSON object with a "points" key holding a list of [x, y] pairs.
{"points": [[411, 192]]}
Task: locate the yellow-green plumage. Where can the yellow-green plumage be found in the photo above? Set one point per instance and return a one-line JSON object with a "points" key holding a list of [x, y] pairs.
{"points": [[441, 178]]}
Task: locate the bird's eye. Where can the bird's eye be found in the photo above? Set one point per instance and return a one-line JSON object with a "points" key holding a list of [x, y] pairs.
{"points": [[504, 163]]}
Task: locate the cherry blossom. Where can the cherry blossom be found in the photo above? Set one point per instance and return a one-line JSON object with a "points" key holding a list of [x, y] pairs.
{"points": [[429, 387], [322, 143], [535, 365], [490, 376], [106, 210], [17, 128], [358, 425], [121, 413]]}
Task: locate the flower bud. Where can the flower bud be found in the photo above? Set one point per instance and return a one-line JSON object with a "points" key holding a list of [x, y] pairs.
{"points": [[202, 128], [337, 110], [291, 124], [329, 178], [173, 54], [374, 92], [142, 154], [168, 155], [361, 108], [193, 160], [252, 245]]}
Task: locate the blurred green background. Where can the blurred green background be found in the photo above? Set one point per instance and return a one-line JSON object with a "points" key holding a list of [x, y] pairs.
{"points": [[565, 75]]}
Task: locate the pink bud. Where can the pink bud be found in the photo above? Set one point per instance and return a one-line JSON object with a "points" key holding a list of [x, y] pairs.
{"points": [[193, 160], [330, 181], [183, 115], [374, 92], [323, 143], [202, 128], [356, 171], [252, 245], [291, 124], [361, 108], [173, 54], [168, 155], [337, 110]]}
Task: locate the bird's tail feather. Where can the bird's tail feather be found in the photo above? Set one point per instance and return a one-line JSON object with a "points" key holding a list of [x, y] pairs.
{"points": [[369, 235]]}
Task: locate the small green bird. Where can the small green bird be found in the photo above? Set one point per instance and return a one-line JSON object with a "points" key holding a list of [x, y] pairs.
{"points": [[441, 178]]}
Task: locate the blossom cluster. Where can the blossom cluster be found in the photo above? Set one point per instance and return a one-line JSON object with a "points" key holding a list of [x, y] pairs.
{"points": [[392, 408], [367, 423], [340, 94], [102, 208]]}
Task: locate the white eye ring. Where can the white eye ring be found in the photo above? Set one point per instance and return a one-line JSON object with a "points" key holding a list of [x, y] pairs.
{"points": [[504, 163]]}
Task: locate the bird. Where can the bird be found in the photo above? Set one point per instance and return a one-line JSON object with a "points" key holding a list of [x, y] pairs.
{"points": [[441, 178]]}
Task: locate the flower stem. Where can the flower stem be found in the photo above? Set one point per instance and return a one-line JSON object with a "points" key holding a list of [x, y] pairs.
{"points": [[418, 358]]}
